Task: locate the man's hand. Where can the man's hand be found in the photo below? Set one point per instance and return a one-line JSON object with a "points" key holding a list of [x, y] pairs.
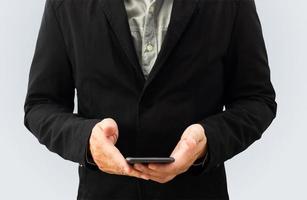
{"points": [[107, 157], [192, 145]]}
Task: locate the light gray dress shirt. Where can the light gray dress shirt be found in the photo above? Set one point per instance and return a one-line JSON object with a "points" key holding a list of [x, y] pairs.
{"points": [[148, 21]]}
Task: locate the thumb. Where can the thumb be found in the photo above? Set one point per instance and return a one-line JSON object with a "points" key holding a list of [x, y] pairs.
{"points": [[110, 129], [194, 132]]}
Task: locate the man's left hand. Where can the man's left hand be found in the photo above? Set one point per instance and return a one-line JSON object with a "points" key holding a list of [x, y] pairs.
{"points": [[192, 145]]}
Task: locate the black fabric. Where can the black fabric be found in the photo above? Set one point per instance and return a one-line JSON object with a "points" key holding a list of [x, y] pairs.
{"points": [[213, 55]]}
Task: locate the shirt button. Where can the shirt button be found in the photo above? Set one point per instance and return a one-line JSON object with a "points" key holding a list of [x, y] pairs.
{"points": [[152, 8], [149, 47]]}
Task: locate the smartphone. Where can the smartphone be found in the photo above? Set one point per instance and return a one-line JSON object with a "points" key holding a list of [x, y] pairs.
{"points": [[145, 160]]}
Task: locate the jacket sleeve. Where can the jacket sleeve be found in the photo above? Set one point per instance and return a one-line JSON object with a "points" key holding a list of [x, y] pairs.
{"points": [[49, 100], [249, 96]]}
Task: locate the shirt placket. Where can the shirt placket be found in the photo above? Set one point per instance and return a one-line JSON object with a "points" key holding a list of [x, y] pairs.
{"points": [[149, 46]]}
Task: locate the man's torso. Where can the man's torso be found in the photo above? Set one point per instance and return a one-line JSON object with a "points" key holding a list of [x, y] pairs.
{"points": [[184, 85]]}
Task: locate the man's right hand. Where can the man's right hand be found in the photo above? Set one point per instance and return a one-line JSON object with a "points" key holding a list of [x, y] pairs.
{"points": [[106, 156]]}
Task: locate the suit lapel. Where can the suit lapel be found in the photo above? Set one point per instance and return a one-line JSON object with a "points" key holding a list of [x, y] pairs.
{"points": [[117, 16], [115, 11], [182, 12]]}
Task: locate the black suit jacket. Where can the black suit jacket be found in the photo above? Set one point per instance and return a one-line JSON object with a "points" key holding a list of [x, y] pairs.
{"points": [[213, 56]]}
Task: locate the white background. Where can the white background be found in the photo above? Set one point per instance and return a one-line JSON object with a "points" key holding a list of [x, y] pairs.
{"points": [[272, 168]]}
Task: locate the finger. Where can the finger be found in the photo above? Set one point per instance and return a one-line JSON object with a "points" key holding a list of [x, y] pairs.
{"points": [[109, 128], [130, 171], [112, 138], [185, 152], [181, 153], [195, 131], [123, 168], [170, 168], [163, 179], [144, 169]]}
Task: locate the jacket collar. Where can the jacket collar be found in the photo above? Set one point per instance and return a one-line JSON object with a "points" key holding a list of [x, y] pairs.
{"points": [[116, 14]]}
